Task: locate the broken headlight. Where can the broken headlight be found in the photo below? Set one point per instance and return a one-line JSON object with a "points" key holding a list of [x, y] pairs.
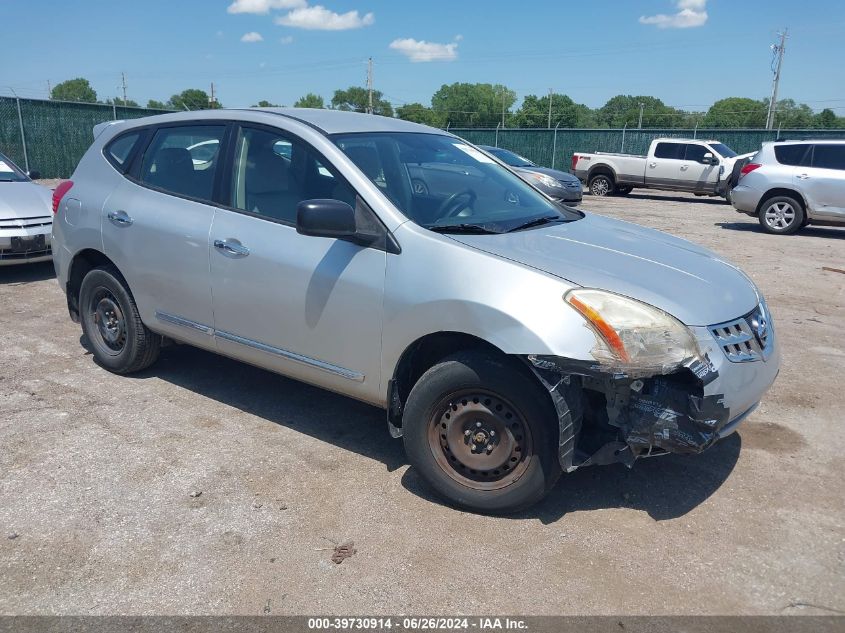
{"points": [[633, 335]]}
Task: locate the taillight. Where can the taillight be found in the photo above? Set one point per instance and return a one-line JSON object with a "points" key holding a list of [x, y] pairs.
{"points": [[748, 168], [59, 193], [574, 161]]}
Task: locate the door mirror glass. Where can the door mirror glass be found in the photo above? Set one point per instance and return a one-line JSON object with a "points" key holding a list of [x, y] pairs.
{"points": [[709, 159], [325, 218]]}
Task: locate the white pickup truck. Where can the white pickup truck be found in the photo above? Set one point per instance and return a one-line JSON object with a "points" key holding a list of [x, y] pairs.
{"points": [[698, 166]]}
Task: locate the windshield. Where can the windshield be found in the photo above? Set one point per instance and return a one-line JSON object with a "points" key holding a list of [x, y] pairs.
{"points": [[9, 172], [723, 150], [440, 182], [509, 158]]}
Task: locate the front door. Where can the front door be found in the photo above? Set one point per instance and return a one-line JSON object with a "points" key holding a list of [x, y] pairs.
{"points": [[695, 174], [308, 307], [156, 229]]}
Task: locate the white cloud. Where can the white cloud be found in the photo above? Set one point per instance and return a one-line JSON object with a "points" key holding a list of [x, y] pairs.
{"points": [[318, 18], [287, 39], [251, 37], [422, 51], [691, 13], [263, 6]]}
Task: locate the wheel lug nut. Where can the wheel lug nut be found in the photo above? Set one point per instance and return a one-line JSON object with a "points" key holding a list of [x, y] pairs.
{"points": [[492, 433], [467, 432], [478, 425]]}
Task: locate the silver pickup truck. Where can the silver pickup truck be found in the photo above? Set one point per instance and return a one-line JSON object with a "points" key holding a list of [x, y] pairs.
{"points": [[703, 167]]}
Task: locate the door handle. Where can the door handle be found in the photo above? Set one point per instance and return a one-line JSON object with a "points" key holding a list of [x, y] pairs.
{"points": [[803, 176], [119, 218], [232, 248], [684, 167], [652, 164]]}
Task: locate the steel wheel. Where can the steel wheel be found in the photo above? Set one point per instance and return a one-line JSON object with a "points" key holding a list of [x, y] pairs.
{"points": [[480, 440], [109, 319], [780, 215]]}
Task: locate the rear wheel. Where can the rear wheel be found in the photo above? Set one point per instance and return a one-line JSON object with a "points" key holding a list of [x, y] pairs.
{"points": [[119, 340], [782, 215], [602, 185], [482, 434]]}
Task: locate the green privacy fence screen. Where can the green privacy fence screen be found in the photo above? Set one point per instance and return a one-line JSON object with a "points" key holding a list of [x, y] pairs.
{"points": [[55, 133], [554, 148]]}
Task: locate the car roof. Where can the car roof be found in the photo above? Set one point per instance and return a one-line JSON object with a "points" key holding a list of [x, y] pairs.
{"points": [[325, 121], [792, 141]]}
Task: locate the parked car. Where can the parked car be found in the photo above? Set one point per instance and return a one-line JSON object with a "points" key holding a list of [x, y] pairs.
{"points": [[509, 338], [791, 184], [25, 217], [696, 166], [556, 184]]}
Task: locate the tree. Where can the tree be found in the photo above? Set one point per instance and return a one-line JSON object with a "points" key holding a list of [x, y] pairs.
{"points": [[473, 104], [192, 99], [120, 102], [418, 113], [78, 89], [827, 119], [623, 110], [357, 100], [792, 115], [310, 101], [266, 104], [156, 105], [534, 112], [737, 112]]}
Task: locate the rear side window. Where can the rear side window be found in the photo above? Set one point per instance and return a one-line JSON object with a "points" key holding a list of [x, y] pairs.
{"points": [[120, 149], [794, 155], [183, 160], [670, 150], [829, 156]]}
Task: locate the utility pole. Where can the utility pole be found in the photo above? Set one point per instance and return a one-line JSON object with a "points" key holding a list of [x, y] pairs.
{"points": [[640, 124], [49, 90], [551, 96], [778, 50], [211, 98], [370, 108], [123, 83], [503, 106]]}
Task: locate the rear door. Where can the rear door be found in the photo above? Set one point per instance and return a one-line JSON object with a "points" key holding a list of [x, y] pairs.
{"points": [[308, 307], [663, 170], [155, 228], [823, 182]]}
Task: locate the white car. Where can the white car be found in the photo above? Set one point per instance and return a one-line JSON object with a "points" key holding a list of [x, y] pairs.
{"points": [[26, 220]]}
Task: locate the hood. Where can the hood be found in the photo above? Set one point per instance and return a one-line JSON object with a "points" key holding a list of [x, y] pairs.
{"points": [[554, 173], [24, 200], [687, 281]]}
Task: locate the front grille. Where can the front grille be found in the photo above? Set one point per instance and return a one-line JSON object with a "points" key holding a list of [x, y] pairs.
{"points": [[26, 223], [745, 339], [10, 255]]}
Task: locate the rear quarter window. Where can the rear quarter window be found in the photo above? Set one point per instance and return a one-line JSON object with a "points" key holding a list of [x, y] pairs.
{"points": [[793, 155], [120, 149]]}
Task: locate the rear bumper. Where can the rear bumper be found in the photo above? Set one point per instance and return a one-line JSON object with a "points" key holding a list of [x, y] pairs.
{"points": [[25, 245], [745, 199]]}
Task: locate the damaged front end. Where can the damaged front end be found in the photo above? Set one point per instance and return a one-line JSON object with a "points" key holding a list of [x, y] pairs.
{"points": [[644, 392]]}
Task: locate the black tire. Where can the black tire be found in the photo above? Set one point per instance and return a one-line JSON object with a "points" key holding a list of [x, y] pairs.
{"points": [[601, 185], [781, 215], [118, 338], [623, 191], [516, 466]]}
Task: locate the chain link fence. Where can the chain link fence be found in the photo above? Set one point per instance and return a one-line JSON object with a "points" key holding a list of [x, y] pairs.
{"points": [[51, 136], [554, 148]]}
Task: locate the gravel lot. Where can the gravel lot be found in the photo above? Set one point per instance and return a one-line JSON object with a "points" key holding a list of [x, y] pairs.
{"points": [[204, 486]]}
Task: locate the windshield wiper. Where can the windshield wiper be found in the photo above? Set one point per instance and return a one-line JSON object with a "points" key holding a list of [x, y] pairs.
{"points": [[546, 219], [460, 228]]}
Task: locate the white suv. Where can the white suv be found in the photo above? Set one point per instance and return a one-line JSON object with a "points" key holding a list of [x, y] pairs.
{"points": [[790, 184]]}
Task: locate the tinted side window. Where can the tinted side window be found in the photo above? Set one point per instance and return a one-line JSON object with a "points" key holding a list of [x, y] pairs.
{"points": [[272, 174], [794, 155], [669, 150], [829, 156], [183, 160], [120, 149], [696, 152]]}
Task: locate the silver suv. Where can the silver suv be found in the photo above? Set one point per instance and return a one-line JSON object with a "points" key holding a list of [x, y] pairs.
{"points": [[509, 339], [790, 184]]}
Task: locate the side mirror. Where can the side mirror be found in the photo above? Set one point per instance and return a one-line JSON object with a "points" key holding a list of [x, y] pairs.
{"points": [[33, 175], [709, 159], [325, 218]]}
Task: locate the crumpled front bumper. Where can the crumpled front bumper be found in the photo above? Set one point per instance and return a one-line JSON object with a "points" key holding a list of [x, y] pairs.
{"points": [[685, 412]]}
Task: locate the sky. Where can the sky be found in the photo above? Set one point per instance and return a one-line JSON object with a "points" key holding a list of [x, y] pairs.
{"points": [[689, 53]]}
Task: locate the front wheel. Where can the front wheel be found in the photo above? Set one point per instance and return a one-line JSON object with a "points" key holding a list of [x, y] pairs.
{"points": [[482, 434], [110, 321], [781, 215], [602, 185], [623, 191]]}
